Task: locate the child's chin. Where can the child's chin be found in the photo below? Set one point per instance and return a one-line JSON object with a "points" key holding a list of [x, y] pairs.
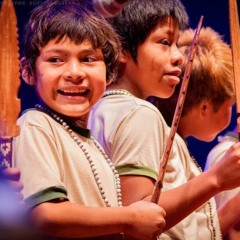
{"points": [[166, 95]]}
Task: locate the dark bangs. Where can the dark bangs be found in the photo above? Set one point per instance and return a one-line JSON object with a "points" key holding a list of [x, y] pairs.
{"points": [[138, 19], [78, 22], [76, 25]]}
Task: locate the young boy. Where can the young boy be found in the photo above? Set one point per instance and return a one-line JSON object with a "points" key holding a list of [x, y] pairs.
{"points": [[133, 132], [70, 186], [209, 100]]}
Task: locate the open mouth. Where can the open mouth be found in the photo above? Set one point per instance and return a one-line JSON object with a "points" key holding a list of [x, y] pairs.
{"points": [[73, 93]]}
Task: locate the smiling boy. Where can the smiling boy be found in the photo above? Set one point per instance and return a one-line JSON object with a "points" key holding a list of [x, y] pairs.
{"points": [[70, 54]]}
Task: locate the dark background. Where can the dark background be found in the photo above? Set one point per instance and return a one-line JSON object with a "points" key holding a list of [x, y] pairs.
{"points": [[215, 14]]}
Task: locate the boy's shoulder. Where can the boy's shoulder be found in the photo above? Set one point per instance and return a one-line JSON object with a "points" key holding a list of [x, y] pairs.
{"points": [[126, 102], [32, 116]]}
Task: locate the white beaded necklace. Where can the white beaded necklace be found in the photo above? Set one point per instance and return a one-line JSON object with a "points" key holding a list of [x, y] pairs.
{"points": [[117, 92], [214, 235], [88, 157]]}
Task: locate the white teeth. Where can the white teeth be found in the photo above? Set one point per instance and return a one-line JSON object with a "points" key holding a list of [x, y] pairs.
{"points": [[73, 91]]}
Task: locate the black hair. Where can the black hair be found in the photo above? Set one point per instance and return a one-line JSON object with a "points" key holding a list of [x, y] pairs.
{"points": [[138, 19]]}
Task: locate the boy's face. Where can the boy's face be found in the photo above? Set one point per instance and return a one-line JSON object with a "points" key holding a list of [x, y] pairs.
{"points": [[157, 69], [70, 78], [212, 123]]}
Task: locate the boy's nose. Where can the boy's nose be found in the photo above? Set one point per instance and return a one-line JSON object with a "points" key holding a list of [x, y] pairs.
{"points": [[75, 71], [177, 57]]}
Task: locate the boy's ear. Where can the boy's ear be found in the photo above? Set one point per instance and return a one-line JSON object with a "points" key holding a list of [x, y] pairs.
{"points": [[109, 81], [205, 108], [26, 75], [123, 57], [121, 67]]}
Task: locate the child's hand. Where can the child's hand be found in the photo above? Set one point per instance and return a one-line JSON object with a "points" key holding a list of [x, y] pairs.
{"points": [[227, 170], [147, 222]]}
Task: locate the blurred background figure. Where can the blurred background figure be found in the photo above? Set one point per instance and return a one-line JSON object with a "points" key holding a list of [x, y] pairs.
{"points": [[225, 142], [13, 216]]}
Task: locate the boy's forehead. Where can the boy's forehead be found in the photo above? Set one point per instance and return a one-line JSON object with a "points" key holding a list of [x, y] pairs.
{"points": [[65, 39]]}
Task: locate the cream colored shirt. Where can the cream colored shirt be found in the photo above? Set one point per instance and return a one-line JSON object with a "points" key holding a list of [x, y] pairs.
{"points": [[53, 166], [217, 153], [133, 133]]}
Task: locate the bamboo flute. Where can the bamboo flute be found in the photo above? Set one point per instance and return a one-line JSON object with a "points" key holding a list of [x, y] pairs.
{"points": [[178, 110], [235, 45]]}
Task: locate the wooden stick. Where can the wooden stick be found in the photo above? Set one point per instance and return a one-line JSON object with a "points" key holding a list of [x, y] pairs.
{"points": [[159, 183], [9, 81], [235, 45]]}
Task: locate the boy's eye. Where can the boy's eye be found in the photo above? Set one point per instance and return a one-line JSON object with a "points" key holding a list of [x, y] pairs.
{"points": [[166, 42], [55, 60], [89, 59]]}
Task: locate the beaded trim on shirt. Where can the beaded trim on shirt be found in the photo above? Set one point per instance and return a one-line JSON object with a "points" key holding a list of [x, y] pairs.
{"points": [[209, 205], [117, 92], [88, 157]]}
